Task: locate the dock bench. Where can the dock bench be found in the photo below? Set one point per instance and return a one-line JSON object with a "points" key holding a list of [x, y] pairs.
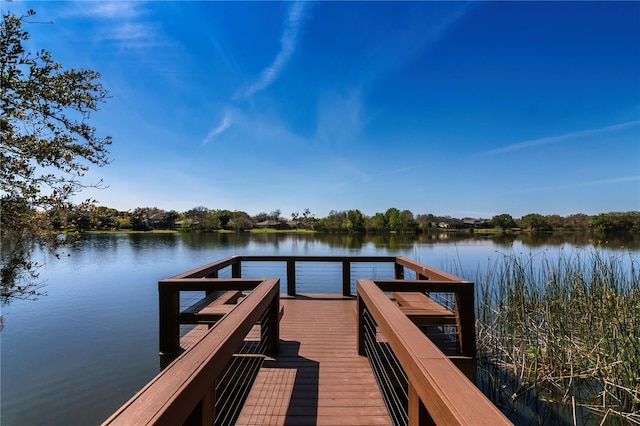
{"points": [[423, 310]]}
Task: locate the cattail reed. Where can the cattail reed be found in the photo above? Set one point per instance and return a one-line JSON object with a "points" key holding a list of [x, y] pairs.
{"points": [[565, 326]]}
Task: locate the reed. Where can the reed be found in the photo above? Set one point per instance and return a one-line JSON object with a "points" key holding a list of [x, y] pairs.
{"points": [[565, 326]]}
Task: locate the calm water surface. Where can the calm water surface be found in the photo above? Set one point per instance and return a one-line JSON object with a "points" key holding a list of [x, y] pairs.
{"points": [[75, 355]]}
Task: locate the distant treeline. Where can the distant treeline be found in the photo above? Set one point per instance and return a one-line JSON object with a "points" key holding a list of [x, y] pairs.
{"points": [[87, 217]]}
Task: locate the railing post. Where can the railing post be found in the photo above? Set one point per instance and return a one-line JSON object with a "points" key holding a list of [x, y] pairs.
{"points": [[169, 307], [209, 406], [465, 318], [210, 290], [418, 414], [361, 326], [236, 269], [291, 277], [398, 271], [346, 278], [270, 335]]}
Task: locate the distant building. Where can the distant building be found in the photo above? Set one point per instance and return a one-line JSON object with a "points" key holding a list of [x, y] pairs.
{"points": [[268, 224]]}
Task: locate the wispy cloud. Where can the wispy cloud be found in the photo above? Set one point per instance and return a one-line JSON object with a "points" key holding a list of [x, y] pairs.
{"points": [[224, 125], [561, 138], [121, 22], [108, 9], [288, 43], [397, 171], [574, 185]]}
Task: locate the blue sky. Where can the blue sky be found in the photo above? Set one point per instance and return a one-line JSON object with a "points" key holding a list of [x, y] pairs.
{"points": [[451, 108]]}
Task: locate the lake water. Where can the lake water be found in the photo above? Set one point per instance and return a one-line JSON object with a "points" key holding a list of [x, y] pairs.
{"points": [[74, 356]]}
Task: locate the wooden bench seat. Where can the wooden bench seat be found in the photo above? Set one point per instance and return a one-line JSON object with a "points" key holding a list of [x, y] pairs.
{"points": [[423, 310], [211, 308], [208, 311]]}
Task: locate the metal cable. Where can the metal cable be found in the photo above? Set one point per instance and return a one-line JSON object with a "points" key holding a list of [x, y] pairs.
{"points": [[387, 372], [230, 395]]}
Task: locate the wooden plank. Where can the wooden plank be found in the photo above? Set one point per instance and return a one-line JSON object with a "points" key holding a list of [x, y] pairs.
{"points": [[205, 301], [417, 300], [317, 378]]}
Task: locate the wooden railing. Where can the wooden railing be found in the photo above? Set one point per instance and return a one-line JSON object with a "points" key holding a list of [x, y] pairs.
{"points": [[438, 392], [212, 270], [205, 278], [188, 383]]}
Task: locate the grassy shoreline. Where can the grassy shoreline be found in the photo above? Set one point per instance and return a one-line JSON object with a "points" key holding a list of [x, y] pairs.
{"points": [[220, 231], [568, 329]]}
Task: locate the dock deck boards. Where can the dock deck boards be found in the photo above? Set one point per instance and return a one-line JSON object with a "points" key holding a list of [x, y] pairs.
{"points": [[317, 378]]}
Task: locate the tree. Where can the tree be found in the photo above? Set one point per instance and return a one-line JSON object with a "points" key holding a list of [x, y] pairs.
{"points": [[46, 147], [534, 221], [275, 215], [425, 221], [240, 221], [504, 221], [378, 223], [355, 221], [393, 218], [407, 222], [578, 221], [260, 217]]}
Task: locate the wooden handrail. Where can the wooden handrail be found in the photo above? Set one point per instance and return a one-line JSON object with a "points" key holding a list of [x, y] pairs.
{"points": [[174, 393], [463, 305], [211, 270], [424, 271], [169, 304], [435, 383]]}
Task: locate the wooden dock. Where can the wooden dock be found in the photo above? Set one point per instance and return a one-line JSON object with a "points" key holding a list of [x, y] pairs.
{"points": [[398, 352], [317, 378]]}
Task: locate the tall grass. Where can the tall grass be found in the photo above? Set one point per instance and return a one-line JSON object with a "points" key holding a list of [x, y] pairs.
{"points": [[565, 326]]}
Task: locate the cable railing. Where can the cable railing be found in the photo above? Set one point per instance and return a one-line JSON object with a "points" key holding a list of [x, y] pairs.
{"points": [[435, 391], [213, 351], [192, 388], [303, 273]]}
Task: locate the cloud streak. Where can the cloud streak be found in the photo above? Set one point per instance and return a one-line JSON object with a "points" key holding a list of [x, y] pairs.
{"points": [[123, 23], [288, 43], [611, 181], [224, 125], [561, 138], [108, 10]]}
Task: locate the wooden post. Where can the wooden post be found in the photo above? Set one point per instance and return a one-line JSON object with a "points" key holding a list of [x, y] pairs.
{"points": [[361, 328], [346, 278], [291, 278], [398, 271], [272, 338], [210, 290], [209, 406], [465, 318], [236, 269], [418, 414], [169, 307]]}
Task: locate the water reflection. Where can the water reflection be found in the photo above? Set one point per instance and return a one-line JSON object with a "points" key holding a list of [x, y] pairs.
{"points": [[107, 287]]}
